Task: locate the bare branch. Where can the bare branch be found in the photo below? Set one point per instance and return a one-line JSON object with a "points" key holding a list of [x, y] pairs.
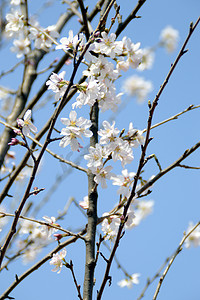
{"points": [[178, 250]]}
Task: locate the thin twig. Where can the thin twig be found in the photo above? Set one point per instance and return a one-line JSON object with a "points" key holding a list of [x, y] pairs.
{"points": [[85, 19], [190, 108], [70, 266], [132, 16], [178, 250]]}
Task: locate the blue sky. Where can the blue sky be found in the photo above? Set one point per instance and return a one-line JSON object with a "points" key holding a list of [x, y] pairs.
{"points": [[143, 249]]}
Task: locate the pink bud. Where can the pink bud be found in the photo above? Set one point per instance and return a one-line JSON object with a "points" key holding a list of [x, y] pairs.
{"points": [[58, 236], [13, 142]]}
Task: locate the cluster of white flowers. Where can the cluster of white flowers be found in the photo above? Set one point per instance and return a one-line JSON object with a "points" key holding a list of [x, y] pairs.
{"points": [[75, 128], [40, 36], [112, 145], [38, 237], [110, 224], [15, 23], [138, 210], [15, 29], [138, 87], [169, 38]]}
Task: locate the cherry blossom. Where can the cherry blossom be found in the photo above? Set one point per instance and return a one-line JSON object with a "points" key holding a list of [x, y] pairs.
{"points": [[129, 281], [142, 209], [110, 227], [71, 42], [26, 124], [15, 23], [41, 40], [88, 93], [109, 133], [47, 229], [134, 136], [137, 87], [122, 151], [57, 84], [131, 55], [194, 237], [169, 38], [124, 181], [95, 156], [15, 2], [147, 59], [102, 173], [57, 260], [3, 220], [85, 203], [21, 47], [75, 128]]}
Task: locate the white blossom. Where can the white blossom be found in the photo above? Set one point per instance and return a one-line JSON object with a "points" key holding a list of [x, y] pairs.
{"points": [[75, 128], [137, 87], [85, 203], [15, 23], [194, 238], [88, 93], [101, 69], [134, 136], [131, 55], [41, 40], [58, 260], [3, 220], [57, 84], [109, 133], [48, 230], [106, 45], [110, 227], [95, 156], [169, 38], [122, 151], [71, 42], [102, 173], [26, 124], [21, 47], [147, 59], [15, 2], [129, 281], [142, 210], [124, 181]]}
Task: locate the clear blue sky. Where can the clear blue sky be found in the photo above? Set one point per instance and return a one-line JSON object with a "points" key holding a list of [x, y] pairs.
{"points": [[176, 195]]}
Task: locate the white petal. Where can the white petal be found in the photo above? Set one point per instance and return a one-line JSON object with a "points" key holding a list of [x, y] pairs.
{"points": [[27, 115]]}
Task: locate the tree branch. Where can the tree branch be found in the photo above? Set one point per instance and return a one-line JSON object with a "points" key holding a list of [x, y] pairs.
{"points": [[178, 250]]}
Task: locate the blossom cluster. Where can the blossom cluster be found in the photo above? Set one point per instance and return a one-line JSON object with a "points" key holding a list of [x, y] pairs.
{"points": [[16, 28], [112, 145], [75, 128], [138, 210], [38, 237]]}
